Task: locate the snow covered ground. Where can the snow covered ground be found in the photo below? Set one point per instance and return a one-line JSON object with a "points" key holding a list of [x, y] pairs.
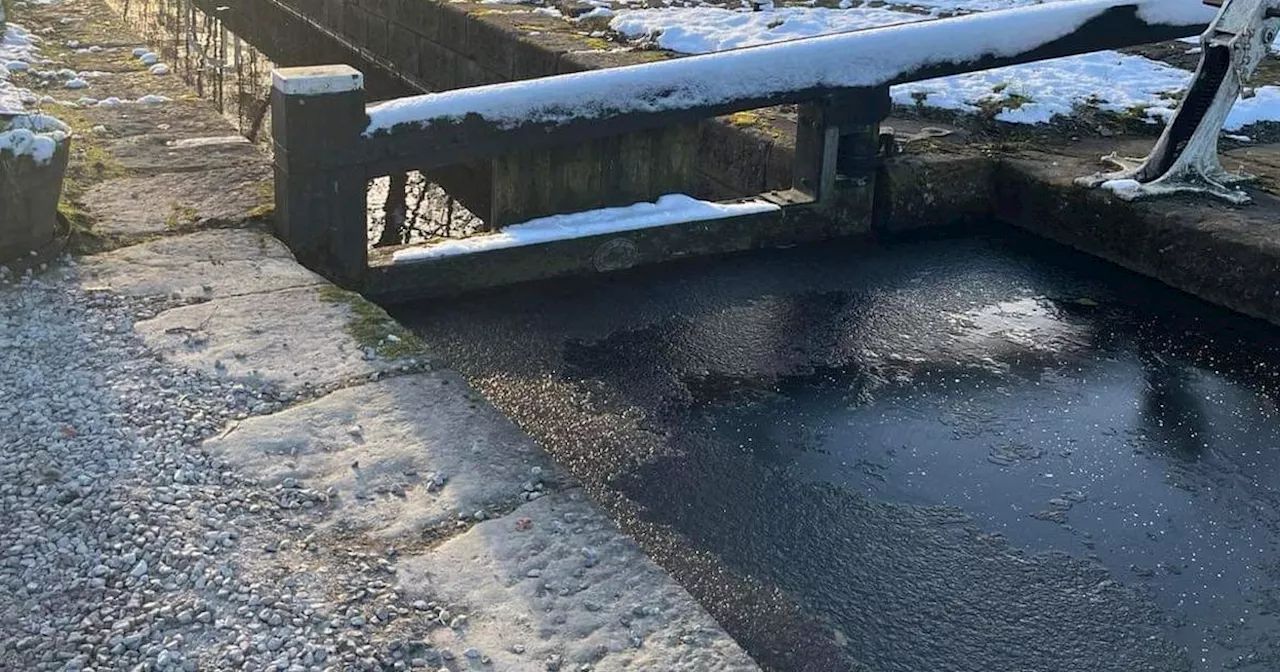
{"points": [[1033, 93], [18, 51], [842, 60], [34, 135]]}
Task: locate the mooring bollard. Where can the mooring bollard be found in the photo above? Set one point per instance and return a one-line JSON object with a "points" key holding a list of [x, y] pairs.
{"points": [[317, 118], [34, 150]]}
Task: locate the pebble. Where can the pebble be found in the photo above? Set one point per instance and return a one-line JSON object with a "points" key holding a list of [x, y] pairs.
{"points": [[123, 541]]}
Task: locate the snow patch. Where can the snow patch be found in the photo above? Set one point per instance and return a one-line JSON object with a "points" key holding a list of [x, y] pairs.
{"points": [[1036, 92], [703, 30], [1123, 188], [843, 60], [597, 13], [17, 52], [669, 209], [149, 99], [1173, 12], [964, 6], [1027, 94], [33, 135], [24, 142]]}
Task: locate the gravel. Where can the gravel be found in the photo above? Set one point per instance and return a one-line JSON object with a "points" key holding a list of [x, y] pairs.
{"points": [[128, 547]]}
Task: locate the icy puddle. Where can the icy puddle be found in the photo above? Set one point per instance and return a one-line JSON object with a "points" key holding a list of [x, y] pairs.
{"points": [[974, 454]]}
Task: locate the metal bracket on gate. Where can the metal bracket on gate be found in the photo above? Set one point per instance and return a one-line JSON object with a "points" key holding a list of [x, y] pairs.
{"points": [[1185, 158]]}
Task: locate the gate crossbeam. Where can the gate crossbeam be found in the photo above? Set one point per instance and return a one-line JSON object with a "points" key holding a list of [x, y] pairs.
{"points": [[328, 142]]}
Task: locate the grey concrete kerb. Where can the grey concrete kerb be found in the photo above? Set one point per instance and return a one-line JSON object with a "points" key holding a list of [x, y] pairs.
{"points": [[294, 338]]}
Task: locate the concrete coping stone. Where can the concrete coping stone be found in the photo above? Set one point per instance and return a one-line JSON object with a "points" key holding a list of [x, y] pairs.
{"points": [[317, 80]]}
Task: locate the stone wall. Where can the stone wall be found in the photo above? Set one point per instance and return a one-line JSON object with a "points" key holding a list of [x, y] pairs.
{"points": [[444, 46]]}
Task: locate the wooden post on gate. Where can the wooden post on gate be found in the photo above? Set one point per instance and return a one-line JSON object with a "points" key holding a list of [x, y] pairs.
{"points": [[317, 120], [838, 142]]}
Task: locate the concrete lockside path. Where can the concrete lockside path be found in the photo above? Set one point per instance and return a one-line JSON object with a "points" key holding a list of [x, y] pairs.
{"points": [[217, 460]]}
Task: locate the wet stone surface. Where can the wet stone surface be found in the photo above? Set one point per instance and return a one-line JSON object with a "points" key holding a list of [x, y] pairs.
{"points": [[966, 454]]}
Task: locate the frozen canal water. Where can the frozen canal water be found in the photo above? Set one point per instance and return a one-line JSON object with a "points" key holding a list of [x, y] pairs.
{"points": [[980, 453]]}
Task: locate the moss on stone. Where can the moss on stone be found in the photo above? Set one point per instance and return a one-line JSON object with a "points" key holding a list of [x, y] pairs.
{"points": [[596, 43], [372, 327], [181, 215], [90, 163], [992, 106], [651, 55], [267, 208]]}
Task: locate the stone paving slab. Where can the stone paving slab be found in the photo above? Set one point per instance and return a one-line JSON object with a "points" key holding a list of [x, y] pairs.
{"points": [[397, 457], [169, 202], [210, 264], [555, 586], [161, 122], [296, 339], [265, 580], [152, 153], [130, 82]]}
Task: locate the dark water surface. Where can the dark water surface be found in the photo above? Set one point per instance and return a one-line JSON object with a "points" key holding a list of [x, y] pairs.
{"points": [[977, 453]]}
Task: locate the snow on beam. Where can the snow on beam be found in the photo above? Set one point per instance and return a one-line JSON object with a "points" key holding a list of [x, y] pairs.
{"points": [[666, 211], [867, 58]]}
